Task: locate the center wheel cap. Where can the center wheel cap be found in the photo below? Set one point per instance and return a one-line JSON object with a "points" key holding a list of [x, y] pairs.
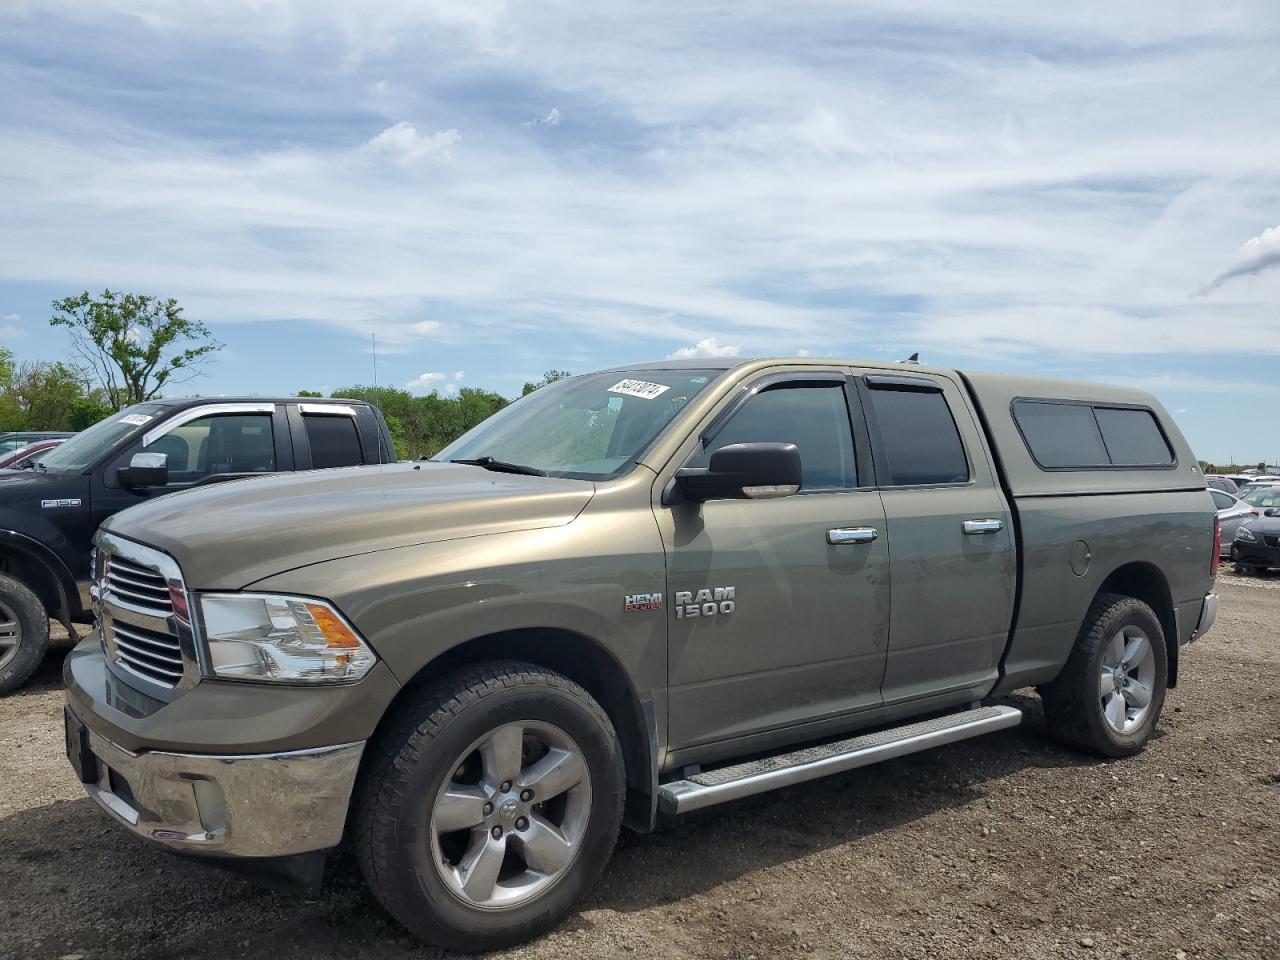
{"points": [[508, 807]]}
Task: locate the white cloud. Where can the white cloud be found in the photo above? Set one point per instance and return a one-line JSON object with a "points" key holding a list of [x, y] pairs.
{"points": [[802, 352], [1255, 255], [434, 378], [10, 332], [404, 144], [10, 318], [425, 380], [426, 328], [710, 347], [379, 89], [552, 119]]}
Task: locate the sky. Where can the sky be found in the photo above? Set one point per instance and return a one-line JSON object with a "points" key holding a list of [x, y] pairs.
{"points": [[492, 190]]}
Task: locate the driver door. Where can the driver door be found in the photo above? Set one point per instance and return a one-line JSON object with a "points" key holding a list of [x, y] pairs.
{"points": [[778, 610]]}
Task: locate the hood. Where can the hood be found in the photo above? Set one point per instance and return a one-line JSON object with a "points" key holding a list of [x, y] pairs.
{"points": [[228, 535], [1263, 524]]}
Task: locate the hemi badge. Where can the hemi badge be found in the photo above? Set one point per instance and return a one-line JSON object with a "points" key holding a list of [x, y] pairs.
{"points": [[51, 504], [643, 601]]}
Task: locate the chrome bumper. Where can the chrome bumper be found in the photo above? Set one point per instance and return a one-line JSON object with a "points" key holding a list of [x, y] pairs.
{"points": [[259, 805], [1208, 614]]}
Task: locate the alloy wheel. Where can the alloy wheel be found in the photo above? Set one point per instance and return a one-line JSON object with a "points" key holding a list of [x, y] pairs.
{"points": [[1127, 682], [509, 822]]}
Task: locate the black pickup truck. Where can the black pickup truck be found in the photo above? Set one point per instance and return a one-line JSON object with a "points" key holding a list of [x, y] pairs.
{"points": [[49, 512]]}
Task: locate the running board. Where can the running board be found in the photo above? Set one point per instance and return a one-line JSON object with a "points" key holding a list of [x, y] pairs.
{"points": [[758, 776]]}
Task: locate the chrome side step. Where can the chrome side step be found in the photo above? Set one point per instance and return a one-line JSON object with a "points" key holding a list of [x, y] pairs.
{"points": [[758, 776]]}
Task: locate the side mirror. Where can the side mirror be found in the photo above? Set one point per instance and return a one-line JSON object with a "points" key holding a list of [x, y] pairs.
{"points": [[145, 470], [1271, 512], [759, 471]]}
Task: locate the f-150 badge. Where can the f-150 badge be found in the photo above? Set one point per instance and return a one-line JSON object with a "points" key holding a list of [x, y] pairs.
{"points": [[704, 603], [51, 504]]}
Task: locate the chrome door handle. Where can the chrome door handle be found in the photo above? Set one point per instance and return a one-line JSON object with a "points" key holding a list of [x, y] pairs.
{"points": [[983, 526], [843, 535]]}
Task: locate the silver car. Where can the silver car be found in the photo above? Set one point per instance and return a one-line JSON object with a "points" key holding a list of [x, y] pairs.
{"points": [[1232, 511], [1225, 484]]}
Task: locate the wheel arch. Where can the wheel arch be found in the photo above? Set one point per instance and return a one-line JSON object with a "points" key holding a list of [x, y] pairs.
{"points": [[40, 569], [586, 662], [1145, 581]]}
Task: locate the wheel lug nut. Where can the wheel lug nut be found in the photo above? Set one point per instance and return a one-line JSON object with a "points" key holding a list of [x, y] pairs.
{"points": [[506, 786], [497, 833], [526, 795], [488, 809], [521, 823]]}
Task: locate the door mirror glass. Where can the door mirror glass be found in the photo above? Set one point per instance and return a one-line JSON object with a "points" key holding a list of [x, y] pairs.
{"points": [[145, 470], [1271, 512], [758, 471]]}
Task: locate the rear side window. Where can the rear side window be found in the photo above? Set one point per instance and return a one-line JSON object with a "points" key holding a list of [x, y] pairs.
{"points": [[1222, 501], [919, 437], [334, 441], [1133, 437], [1068, 435]]}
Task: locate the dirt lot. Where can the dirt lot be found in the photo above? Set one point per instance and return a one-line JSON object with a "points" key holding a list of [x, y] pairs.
{"points": [[1002, 847]]}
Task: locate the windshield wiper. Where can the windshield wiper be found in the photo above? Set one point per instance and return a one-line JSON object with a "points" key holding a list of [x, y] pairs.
{"points": [[501, 466]]}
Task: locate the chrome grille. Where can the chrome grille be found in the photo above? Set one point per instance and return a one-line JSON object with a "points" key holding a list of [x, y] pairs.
{"points": [[135, 584], [140, 600]]}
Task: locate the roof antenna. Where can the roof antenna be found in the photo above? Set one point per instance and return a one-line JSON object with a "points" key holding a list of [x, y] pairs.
{"points": [[914, 358]]}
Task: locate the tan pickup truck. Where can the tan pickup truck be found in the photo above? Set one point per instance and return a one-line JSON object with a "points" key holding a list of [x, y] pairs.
{"points": [[628, 595]]}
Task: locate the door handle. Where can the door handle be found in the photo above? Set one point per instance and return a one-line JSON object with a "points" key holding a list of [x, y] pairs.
{"points": [[843, 535], [982, 526]]}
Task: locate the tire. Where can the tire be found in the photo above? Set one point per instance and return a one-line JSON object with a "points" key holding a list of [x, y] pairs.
{"points": [[24, 633], [1080, 711], [444, 748]]}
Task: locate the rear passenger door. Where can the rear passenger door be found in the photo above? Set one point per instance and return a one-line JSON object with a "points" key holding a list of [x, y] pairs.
{"points": [[951, 549]]}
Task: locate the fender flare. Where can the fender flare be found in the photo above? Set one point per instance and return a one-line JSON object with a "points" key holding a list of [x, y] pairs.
{"points": [[68, 596]]}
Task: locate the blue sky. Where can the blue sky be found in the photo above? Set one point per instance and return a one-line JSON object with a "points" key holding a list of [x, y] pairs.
{"points": [[496, 189]]}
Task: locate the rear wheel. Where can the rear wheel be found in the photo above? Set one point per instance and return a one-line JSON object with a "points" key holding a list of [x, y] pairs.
{"points": [[24, 633], [1108, 697], [490, 806]]}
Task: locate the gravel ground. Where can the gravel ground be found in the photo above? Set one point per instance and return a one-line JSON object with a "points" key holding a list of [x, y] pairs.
{"points": [[1005, 846]]}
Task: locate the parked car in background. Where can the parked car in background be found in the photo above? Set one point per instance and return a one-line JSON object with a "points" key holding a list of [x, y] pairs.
{"points": [[1232, 511], [16, 440], [48, 514], [1257, 486], [24, 456], [1256, 545], [1225, 484]]}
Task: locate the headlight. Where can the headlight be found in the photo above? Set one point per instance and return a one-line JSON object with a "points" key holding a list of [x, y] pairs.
{"points": [[258, 636], [1244, 533]]}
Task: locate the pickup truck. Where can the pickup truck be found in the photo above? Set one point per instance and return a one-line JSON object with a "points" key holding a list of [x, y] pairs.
{"points": [[630, 595], [50, 510]]}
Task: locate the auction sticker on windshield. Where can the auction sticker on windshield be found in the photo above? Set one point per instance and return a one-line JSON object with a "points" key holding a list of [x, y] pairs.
{"points": [[639, 388], [136, 419]]}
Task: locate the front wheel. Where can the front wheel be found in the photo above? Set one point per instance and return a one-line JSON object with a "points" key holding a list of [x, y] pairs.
{"points": [[490, 806], [1108, 697], [24, 633]]}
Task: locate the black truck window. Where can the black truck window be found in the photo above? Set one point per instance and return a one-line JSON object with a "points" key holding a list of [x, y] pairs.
{"points": [[918, 436], [334, 440], [221, 443]]}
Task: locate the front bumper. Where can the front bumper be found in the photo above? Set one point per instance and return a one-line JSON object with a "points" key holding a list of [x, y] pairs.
{"points": [[1263, 552], [253, 805]]}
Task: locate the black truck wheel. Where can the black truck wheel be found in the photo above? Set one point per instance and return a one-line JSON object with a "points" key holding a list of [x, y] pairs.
{"points": [[24, 633], [1108, 697], [489, 805]]}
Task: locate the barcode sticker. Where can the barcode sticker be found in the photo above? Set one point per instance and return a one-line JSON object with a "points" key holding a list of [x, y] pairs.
{"points": [[639, 388], [136, 419]]}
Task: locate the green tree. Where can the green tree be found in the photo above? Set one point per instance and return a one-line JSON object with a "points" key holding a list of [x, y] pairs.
{"points": [[134, 344], [309, 393], [551, 376]]}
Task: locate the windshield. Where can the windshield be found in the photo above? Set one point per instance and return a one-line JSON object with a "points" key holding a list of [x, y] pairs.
{"points": [[1262, 497], [587, 427], [86, 447]]}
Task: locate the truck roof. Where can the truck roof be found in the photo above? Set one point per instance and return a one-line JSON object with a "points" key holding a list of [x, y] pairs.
{"points": [[179, 402]]}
